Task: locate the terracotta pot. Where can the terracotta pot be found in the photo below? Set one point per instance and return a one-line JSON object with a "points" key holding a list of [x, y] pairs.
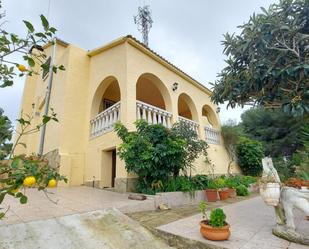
{"points": [[224, 194], [211, 195], [232, 193], [214, 233]]}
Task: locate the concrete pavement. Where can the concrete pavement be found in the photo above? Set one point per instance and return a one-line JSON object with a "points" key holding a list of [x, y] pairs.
{"points": [[251, 224]]}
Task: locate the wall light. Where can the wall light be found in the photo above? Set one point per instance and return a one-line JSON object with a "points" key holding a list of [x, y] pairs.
{"points": [[175, 87]]}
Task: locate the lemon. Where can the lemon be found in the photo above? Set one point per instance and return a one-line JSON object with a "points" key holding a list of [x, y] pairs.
{"points": [[29, 181], [52, 183], [21, 68]]}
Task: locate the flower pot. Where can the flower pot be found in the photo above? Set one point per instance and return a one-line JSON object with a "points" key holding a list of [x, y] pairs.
{"points": [[232, 193], [270, 193], [211, 195], [214, 233], [224, 194]]}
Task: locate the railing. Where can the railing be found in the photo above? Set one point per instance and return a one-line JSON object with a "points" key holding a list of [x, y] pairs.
{"points": [[212, 135], [153, 114], [194, 126], [105, 121]]}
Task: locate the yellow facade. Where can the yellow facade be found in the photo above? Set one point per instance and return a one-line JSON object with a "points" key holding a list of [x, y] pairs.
{"points": [[141, 84]]}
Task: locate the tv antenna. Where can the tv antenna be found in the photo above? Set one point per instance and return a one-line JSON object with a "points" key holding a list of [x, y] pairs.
{"points": [[144, 22]]}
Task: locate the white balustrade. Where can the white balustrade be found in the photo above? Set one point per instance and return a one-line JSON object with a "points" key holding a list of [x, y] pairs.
{"points": [[212, 135], [194, 126], [153, 114], [105, 121]]}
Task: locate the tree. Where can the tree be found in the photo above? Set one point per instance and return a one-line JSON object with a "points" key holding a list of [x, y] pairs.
{"points": [[268, 62], [19, 171], [5, 135], [249, 155], [152, 152], [30, 47], [231, 133], [278, 131], [194, 145]]}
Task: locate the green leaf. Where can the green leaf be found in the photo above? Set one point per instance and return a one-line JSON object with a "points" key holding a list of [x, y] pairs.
{"points": [[29, 26], [44, 22], [31, 62], [2, 195], [23, 199], [2, 215]]}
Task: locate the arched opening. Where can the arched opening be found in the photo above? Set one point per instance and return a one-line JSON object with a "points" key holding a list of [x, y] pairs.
{"points": [[153, 100], [111, 96], [151, 90], [209, 117], [105, 108], [186, 107], [106, 95]]}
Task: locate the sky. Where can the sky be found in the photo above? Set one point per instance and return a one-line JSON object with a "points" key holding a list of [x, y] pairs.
{"points": [[188, 33]]}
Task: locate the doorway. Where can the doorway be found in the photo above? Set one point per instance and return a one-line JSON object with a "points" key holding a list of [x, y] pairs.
{"points": [[108, 173], [113, 167]]}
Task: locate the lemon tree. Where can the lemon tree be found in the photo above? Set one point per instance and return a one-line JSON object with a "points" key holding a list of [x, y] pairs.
{"points": [[19, 172]]}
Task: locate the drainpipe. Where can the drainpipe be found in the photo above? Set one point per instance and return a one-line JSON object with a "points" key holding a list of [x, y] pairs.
{"points": [[47, 96]]}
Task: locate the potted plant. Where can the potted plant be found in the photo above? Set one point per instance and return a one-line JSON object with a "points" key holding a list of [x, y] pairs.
{"points": [[270, 190], [211, 191], [222, 188], [232, 185], [215, 228]]}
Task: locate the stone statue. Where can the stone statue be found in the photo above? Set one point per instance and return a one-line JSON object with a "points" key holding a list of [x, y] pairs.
{"points": [[288, 199]]}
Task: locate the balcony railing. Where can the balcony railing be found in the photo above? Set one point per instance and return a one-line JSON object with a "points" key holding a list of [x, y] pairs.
{"points": [[153, 114], [212, 135], [194, 126], [105, 121]]}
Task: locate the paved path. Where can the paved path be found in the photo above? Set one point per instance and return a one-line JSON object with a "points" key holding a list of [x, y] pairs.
{"points": [[251, 224], [104, 229], [70, 200]]}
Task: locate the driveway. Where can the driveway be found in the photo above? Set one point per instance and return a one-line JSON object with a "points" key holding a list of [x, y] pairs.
{"points": [[69, 200]]}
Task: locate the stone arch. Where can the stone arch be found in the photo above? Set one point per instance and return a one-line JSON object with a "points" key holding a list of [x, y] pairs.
{"points": [[151, 90], [106, 94], [186, 107], [209, 117]]}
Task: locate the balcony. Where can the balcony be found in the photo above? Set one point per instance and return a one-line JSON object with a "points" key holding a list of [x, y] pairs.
{"points": [[194, 126], [153, 114], [212, 135], [105, 121]]}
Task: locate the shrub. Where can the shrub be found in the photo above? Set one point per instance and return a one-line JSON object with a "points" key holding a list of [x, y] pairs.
{"points": [[285, 169], [250, 154], [217, 218], [152, 152], [242, 190], [220, 182], [194, 145], [231, 183], [180, 183], [212, 184], [200, 181]]}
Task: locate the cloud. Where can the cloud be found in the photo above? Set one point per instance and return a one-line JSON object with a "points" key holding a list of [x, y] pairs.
{"points": [[187, 33]]}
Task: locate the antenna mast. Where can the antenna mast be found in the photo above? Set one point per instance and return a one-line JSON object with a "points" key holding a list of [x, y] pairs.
{"points": [[144, 22]]}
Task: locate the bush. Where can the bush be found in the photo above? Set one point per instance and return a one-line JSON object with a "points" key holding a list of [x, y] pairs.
{"points": [[220, 182], [217, 218], [194, 145], [250, 154], [285, 169], [242, 190], [152, 152], [200, 181], [180, 183]]}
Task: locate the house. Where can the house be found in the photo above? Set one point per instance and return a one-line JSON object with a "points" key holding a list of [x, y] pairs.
{"points": [[121, 81]]}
